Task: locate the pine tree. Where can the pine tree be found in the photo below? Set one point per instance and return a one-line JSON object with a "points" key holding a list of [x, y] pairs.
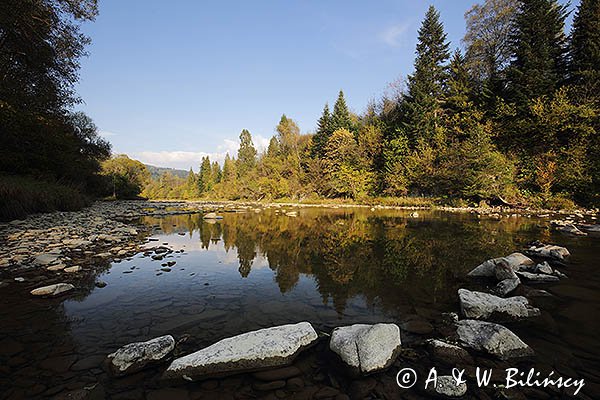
{"points": [[426, 85], [215, 172], [460, 112], [539, 46], [204, 176], [585, 47], [273, 149], [319, 140], [341, 116], [229, 173], [191, 186], [246, 160]]}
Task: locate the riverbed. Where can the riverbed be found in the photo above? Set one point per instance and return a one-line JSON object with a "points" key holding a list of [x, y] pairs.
{"points": [[260, 267]]}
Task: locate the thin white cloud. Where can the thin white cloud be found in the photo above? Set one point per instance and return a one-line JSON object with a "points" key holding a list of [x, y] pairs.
{"points": [[181, 159], [393, 35]]}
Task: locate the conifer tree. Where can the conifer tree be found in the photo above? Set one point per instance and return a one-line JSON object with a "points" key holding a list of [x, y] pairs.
{"points": [[273, 149], [204, 176], [426, 85], [191, 188], [319, 140], [585, 47], [341, 116], [215, 172], [460, 112], [246, 154], [539, 46], [229, 171]]}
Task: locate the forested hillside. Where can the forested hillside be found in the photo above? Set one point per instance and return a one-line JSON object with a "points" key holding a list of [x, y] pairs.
{"points": [[512, 119]]}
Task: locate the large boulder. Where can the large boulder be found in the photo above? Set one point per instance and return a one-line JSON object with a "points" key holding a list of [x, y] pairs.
{"points": [[538, 278], [449, 353], [366, 348], [479, 305], [549, 251], [137, 356], [492, 338], [53, 290], [262, 349], [489, 268], [506, 286]]}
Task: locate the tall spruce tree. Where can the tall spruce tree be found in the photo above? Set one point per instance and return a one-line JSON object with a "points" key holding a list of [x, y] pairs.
{"points": [[205, 176], [246, 154], [585, 47], [539, 51], [319, 140], [341, 116], [426, 86]]}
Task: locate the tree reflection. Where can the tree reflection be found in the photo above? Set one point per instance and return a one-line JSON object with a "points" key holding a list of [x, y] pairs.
{"points": [[386, 258]]}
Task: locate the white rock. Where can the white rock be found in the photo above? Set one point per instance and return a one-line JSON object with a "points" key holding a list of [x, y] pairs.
{"points": [[136, 356], [478, 305], [544, 268], [56, 267], [46, 259], [264, 348], [492, 338], [73, 269], [366, 348], [53, 290], [488, 268], [212, 215], [550, 251]]}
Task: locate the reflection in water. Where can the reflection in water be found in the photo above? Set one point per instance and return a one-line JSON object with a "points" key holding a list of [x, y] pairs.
{"points": [[253, 270], [384, 257]]}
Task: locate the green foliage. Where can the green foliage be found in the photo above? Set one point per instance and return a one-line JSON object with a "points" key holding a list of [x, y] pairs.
{"points": [[340, 119], [125, 178], [246, 159], [22, 195], [319, 140], [584, 50]]}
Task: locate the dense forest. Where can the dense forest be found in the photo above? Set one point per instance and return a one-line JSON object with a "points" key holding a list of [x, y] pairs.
{"points": [[511, 116]]}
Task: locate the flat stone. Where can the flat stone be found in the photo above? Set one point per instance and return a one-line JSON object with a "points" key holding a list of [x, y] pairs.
{"points": [[58, 364], [73, 269], [446, 386], [56, 267], [366, 348], [550, 251], [479, 305], [492, 338], [136, 356], [87, 363], [45, 259], [538, 278], [53, 290], [265, 348]]}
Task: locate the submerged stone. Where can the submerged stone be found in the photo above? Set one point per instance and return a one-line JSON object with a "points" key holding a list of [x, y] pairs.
{"points": [[136, 356], [265, 348]]}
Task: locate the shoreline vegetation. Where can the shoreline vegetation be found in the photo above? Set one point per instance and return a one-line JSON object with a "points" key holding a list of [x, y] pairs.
{"points": [[512, 119]]}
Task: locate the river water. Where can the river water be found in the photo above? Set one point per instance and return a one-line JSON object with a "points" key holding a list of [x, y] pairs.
{"points": [[251, 270]]}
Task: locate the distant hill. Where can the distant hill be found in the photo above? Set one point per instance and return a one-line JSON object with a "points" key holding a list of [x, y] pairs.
{"points": [[155, 172]]}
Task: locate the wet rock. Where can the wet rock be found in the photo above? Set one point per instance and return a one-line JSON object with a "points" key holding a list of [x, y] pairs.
{"points": [[449, 353], [549, 251], [87, 363], [446, 386], [506, 286], [568, 227], [58, 364], [544, 268], [590, 228], [538, 278], [53, 290], [366, 348], [478, 305], [136, 356], [492, 338], [326, 392], [168, 394], [264, 348], [73, 269], [100, 284], [503, 270], [488, 269], [417, 326], [294, 384], [268, 386], [46, 259]]}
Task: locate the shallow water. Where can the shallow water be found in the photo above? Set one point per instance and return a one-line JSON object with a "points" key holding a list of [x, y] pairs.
{"points": [[250, 270]]}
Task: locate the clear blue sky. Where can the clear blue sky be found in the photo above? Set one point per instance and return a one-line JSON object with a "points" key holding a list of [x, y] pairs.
{"points": [[169, 81]]}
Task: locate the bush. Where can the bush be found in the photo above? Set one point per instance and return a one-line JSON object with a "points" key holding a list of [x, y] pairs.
{"points": [[20, 196]]}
